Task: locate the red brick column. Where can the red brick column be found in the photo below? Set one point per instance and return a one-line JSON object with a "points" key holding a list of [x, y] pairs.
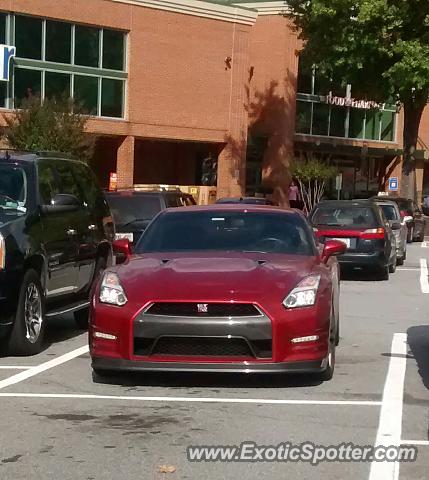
{"points": [[125, 163], [232, 160]]}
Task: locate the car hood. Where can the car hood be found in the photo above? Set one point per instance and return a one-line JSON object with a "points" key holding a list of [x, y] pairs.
{"points": [[230, 277]]}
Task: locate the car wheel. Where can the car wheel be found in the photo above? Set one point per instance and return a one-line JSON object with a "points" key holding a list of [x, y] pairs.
{"points": [[384, 273], [400, 260], [421, 236], [404, 257], [392, 266], [410, 235], [328, 373], [81, 316], [28, 331], [102, 376]]}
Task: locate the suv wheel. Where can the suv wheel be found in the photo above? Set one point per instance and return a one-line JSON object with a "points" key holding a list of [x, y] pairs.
{"points": [[410, 236], [29, 327], [384, 273], [328, 373], [392, 266], [81, 316]]}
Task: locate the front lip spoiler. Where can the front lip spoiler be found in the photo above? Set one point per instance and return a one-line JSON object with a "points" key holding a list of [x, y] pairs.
{"points": [[115, 364]]}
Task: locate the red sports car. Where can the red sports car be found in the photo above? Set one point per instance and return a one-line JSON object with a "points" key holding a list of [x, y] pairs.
{"points": [[224, 288]]}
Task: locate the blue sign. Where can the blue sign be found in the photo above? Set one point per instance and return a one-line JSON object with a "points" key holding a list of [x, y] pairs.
{"points": [[393, 184], [6, 53]]}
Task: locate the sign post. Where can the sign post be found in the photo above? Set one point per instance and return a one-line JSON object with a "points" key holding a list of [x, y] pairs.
{"points": [[393, 184], [339, 184]]}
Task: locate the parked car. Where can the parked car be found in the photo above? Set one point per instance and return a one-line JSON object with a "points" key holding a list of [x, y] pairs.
{"points": [[220, 288], [413, 217], [246, 200], [133, 209], [361, 225], [393, 216], [55, 238]]}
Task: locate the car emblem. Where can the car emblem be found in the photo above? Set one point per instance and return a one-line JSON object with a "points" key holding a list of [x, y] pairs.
{"points": [[202, 307]]}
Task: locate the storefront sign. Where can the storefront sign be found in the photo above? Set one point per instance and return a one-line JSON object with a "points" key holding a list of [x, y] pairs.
{"points": [[352, 102], [6, 53]]}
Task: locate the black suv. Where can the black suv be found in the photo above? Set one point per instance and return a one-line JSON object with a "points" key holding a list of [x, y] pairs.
{"points": [[133, 209], [55, 237]]}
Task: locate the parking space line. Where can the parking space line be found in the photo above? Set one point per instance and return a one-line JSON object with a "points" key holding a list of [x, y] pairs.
{"points": [[424, 443], [266, 401], [390, 423], [425, 244], [408, 269], [31, 372], [14, 367], [424, 275]]}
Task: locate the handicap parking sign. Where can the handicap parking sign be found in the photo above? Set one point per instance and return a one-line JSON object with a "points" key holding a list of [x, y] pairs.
{"points": [[393, 184]]}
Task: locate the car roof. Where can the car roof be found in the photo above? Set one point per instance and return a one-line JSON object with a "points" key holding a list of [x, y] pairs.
{"points": [[14, 156], [383, 201], [234, 207], [392, 199], [131, 192], [346, 203], [242, 199]]}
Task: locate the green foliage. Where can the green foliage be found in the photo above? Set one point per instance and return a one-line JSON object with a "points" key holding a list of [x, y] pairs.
{"points": [[311, 170], [53, 126]]}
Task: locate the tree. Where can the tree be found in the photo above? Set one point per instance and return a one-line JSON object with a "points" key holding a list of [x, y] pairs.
{"points": [[52, 125], [380, 47], [312, 175]]}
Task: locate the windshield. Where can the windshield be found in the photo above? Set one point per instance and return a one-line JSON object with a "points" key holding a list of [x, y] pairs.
{"points": [[13, 188], [344, 216], [228, 231], [129, 209]]}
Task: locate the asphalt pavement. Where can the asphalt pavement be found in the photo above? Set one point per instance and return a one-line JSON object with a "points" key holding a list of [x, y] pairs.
{"points": [[56, 423]]}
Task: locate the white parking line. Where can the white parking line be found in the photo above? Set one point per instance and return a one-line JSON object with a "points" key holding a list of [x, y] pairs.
{"points": [[267, 401], [31, 372], [14, 367], [425, 244], [424, 443], [408, 269], [424, 276], [390, 424]]}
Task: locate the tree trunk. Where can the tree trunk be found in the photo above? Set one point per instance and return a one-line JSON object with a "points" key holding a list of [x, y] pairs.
{"points": [[413, 110]]}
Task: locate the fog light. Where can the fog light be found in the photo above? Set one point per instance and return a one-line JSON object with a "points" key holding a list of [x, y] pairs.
{"points": [[105, 336], [311, 338]]}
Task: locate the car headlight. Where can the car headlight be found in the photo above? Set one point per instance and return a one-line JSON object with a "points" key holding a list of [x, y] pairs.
{"points": [[2, 252], [304, 294], [111, 290]]}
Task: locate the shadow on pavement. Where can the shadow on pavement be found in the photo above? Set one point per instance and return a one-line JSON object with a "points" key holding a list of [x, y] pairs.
{"points": [[418, 340], [358, 275], [208, 380]]}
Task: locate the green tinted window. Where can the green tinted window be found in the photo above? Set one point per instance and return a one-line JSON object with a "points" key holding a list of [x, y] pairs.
{"points": [[357, 118], [57, 85], [305, 78], [338, 122], [28, 37], [27, 83], [388, 126], [113, 50], [303, 117], [112, 97], [86, 46], [372, 125], [86, 93], [58, 42], [3, 94], [3, 28], [320, 119]]}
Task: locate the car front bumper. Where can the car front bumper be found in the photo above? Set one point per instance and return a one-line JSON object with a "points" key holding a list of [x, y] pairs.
{"points": [[121, 365]]}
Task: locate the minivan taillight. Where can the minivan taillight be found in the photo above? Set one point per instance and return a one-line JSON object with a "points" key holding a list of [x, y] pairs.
{"points": [[2, 252], [373, 234]]}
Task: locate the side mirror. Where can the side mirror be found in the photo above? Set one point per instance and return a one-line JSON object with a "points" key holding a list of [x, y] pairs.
{"points": [[333, 248], [396, 225], [62, 203], [122, 250]]}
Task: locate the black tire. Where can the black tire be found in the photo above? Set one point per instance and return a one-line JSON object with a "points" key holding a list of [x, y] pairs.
{"points": [[81, 317], [328, 373], [400, 261], [410, 235], [384, 273], [392, 266], [405, 255], [102, 376], [27, 336]]}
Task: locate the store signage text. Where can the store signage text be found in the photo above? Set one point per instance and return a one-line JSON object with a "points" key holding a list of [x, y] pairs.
{"points": [[352, 102], [6, 53]]}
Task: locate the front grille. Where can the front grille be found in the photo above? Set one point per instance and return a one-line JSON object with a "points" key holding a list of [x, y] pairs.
{"points": [[203, 346], [186, 309], [197, 346]]}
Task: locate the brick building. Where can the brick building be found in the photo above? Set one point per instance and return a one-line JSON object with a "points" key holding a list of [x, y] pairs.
{"points": [[170, 84]]}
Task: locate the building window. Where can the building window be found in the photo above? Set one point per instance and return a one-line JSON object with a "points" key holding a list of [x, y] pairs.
{"points": [[58, 42], [112, 92], [303, 117], [86, 93], [28, 37], [320, 119], [337, 124], [388, 126], [3, 18], [113, 50], [27, 84], [87, 46], [57, 85]]}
